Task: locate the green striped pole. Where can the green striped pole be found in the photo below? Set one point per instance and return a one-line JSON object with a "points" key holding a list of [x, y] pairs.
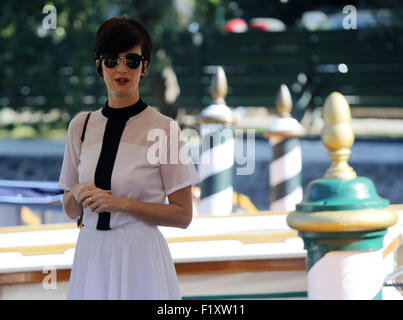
{"points": [[286, 163], [217, 155], [342, 219]]}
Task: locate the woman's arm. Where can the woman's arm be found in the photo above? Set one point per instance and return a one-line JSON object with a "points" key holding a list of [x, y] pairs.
{"points": [[71, 207], [178, 213]]}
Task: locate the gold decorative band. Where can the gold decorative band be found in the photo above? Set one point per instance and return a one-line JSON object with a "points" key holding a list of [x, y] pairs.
{"points": [[342, 221]]}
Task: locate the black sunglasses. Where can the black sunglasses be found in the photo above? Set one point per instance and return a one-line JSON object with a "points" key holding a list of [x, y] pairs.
{"points": [[132, 60]]}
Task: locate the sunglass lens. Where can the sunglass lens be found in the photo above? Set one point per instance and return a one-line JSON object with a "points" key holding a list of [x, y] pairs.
{"points": [[133, 63], [111, 62], [133, 60]]}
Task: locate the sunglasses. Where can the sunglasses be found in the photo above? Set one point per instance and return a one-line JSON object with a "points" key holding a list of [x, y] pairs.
{"points": [[132, 60]]}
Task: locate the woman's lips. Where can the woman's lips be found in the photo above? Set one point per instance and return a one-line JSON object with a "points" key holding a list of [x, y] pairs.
{"points": [[122, 81]]}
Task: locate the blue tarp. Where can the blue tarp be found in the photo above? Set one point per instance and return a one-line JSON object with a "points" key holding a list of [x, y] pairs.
{"points": [[30, 192]]}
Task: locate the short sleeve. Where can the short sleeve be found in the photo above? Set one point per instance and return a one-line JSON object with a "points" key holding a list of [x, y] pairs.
{"points": [[69, 172], [177, 169]]}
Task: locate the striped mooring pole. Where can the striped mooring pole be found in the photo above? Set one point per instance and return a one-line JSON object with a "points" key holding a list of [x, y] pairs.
{"points": [[286, 165], [217, 154], [342, 219]]}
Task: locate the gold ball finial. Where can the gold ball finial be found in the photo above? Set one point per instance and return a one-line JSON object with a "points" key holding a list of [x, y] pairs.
{"points": [[219, 86], [284, 102], [338, 136]]}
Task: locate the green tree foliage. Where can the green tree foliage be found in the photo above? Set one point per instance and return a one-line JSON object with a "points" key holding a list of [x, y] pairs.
{"points": [[46, 69]]}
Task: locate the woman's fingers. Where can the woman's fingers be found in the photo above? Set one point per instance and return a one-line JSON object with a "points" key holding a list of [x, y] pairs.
{"points": [[80, 190], [89, 193], [83, 196], [95, 198], [87, 201], [97, 206]]}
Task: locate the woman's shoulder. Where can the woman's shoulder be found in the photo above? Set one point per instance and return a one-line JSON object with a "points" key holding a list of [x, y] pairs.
{"points": [[153, 112], [77, 122], [79, 117], [160, 120]]}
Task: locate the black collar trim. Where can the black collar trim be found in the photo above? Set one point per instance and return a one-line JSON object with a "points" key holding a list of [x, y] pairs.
{"points": [[125, 112]]}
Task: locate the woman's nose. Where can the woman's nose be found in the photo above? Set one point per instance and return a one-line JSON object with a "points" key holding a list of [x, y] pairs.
{"points": [[122, 67]]}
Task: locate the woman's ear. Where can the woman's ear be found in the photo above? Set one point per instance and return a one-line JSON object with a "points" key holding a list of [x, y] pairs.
{"points": [[144, 68], [99, 68]]}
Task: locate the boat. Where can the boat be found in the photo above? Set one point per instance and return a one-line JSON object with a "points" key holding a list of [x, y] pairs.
{"points": [[245, 255]]}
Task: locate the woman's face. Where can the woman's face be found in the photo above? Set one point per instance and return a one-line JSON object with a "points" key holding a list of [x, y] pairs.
{"points": [[130, 87]]}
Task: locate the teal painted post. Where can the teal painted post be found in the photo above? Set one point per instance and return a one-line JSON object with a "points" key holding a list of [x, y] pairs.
{"points": [[342, 219]]}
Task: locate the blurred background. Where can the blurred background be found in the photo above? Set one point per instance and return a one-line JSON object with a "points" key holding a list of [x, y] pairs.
{"points": [[48, 75]]}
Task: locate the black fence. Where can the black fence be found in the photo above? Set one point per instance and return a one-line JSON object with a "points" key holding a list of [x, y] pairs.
{"points": [[365, 65]]}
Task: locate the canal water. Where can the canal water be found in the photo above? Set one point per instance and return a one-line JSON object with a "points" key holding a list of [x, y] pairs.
{"points": [[378, 159], [381, 160]]}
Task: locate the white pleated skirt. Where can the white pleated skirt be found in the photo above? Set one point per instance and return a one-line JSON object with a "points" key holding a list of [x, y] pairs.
{"points": [[129, 262]]}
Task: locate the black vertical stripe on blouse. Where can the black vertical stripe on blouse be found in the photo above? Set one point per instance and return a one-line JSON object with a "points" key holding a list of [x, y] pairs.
{"points": [[117, 118]]}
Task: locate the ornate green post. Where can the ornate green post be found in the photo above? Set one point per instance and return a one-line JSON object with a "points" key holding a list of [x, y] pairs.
{"points": [[342, 219]]}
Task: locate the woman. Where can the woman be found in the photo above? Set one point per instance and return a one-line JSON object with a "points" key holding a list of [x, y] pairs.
{"points": [[116, 182]]}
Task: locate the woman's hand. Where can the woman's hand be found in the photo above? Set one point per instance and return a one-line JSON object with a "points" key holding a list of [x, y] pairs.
{"points": [[79, 189], [73, 199], [99, 200]]}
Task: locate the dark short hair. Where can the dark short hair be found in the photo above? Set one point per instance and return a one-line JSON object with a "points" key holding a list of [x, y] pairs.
{"points": [[119, 34]]}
